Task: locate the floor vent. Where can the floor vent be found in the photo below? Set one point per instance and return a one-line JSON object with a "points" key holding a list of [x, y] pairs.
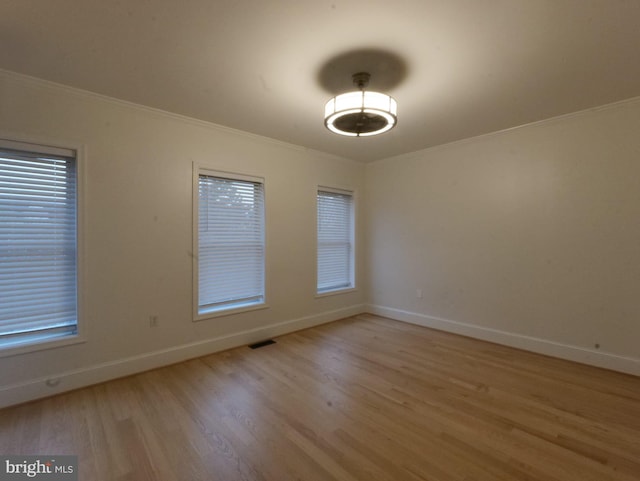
{"points": [[261, 344]]}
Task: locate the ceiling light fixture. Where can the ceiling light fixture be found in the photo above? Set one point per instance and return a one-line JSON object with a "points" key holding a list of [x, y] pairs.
{"points": [[361, 113]]}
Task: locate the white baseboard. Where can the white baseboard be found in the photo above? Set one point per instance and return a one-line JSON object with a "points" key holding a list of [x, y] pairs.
{"points": [[86, 376], [542, 346]]}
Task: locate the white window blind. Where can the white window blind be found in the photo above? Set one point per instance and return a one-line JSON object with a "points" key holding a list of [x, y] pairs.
{"points": [[230, 243], [335, 241], [38, 275]]}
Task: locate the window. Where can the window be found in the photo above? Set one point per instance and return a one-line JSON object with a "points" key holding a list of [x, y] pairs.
{"points": [[38, 244], [230, 243], [335, 240]]}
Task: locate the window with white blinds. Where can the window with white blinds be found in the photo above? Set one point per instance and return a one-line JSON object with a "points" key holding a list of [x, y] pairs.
{"points": [[335, 240], [231, 249], [38, 260]]}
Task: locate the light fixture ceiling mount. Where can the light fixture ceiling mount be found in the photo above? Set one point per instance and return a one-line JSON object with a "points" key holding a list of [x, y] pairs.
{"points": [[361, 113]]}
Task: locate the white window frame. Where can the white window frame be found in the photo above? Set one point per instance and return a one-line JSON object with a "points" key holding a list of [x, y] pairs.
{"points": [[54, 147], [352, 238], [230, 309]]}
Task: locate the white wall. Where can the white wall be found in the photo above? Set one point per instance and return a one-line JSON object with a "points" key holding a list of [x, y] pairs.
{"points": [[529, 237], [138, 234]]}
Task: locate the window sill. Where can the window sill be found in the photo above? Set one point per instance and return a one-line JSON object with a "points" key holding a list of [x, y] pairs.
{"points": [[42, 345], [334, 292], [228, 311]]}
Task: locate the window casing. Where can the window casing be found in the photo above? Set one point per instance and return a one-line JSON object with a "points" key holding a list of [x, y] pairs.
{"points": [[38, 245], [230, 243], [335, 238]]}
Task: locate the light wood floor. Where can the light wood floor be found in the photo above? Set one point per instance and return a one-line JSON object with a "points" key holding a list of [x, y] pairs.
{"points": [[363, 399]]}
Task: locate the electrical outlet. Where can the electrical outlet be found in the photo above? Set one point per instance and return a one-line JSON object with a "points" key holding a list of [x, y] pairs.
{"points": [[419, 293], [153, 321]]}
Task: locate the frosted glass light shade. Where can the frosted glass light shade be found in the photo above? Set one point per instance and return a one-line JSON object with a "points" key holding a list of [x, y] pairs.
{"points": [[361, 113]]}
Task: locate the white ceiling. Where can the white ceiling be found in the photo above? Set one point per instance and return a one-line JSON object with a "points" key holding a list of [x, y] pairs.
{"points": [[458, 68]]}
